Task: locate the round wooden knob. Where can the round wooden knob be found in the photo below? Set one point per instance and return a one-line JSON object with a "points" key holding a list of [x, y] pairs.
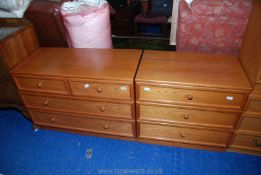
{"points": [[45, 103], [186, 116], [99, 90], [102, 108], [39, 85], [189, 97], [255, 141], [106, 125], [182, 135], [53, 119]]}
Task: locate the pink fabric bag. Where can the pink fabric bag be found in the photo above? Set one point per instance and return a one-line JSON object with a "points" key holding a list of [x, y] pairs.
{"points": [[89, 28]]}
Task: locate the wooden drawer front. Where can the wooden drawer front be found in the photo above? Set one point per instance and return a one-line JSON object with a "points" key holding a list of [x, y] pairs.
{"points": [[185, 135], [254, 106], [188, 116], [194, 97], [250, 124], [247, 142], [257, 89], [83, 123], [42, 85], [79, 106], [101, 90]]}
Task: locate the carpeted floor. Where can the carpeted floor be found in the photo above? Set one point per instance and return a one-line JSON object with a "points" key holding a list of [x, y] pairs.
{"points": [[25, 152]]}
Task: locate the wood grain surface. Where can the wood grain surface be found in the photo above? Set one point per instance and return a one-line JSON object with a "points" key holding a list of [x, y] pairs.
{"points": [[108, 64], [194, 69]]}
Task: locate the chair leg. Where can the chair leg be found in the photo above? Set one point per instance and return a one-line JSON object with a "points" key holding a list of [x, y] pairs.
{"points": [[165, 29], [136, 28]]}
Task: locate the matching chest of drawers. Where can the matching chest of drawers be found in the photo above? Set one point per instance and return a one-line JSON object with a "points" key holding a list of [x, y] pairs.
{"points": [[84, 90], [189, 98], [248, 133], [178, 98]]}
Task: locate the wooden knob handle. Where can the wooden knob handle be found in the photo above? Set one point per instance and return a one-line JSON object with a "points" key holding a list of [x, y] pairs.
{"points": [[190, 97], [45, 103], [40, 84], [182, 135], [255, 141], [106, 125], [53, 120], [99, 90], [102, 108], [186, 116]]}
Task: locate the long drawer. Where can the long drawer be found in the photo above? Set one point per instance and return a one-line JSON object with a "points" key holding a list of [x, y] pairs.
{"points": [[192, 97], [90, 106], [92, 88], [83, 123], [247, 142], [172, 114], [184, 135], [250, 125], [40, 84]]}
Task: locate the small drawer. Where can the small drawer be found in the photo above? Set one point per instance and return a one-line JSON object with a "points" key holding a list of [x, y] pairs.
{"points": [[83, 123], [250, 124], [172, 114], [92, 107], [192, 97], [101, 90], [42, 85], [247, 142], [254, 107], [184, 135]]}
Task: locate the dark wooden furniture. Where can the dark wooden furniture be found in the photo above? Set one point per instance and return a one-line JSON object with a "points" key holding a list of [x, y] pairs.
{"points": [[47, 19], [17, 41], [122, 22], [147, 18], [248, 135], [189, 98], [90, 90]]}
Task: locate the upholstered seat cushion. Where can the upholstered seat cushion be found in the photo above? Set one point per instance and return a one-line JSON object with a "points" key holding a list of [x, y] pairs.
{"points": [[151, 19], [212, 26]]}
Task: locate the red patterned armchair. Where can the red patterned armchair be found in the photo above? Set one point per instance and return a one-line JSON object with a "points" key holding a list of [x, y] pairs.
{"points": [[212, 26]]}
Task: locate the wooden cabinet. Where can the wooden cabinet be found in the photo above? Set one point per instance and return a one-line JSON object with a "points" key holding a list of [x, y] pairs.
{"points": [[122, 22], [17, 41], [48, 22], [248, 133], [189, 98], [88, 90], [173, 98]]}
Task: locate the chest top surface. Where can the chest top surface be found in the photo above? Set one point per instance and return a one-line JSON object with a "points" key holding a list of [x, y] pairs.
{"points": [[111, 64], [192, 69]]}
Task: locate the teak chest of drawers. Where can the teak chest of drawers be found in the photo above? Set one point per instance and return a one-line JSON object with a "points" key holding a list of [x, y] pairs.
{"points": [[248, 134], [189, 98], [88, 90]]}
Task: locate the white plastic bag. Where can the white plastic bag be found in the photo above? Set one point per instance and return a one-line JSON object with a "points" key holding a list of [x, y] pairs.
{"points": [[11, 4], [6, 14], [13, 8]]}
